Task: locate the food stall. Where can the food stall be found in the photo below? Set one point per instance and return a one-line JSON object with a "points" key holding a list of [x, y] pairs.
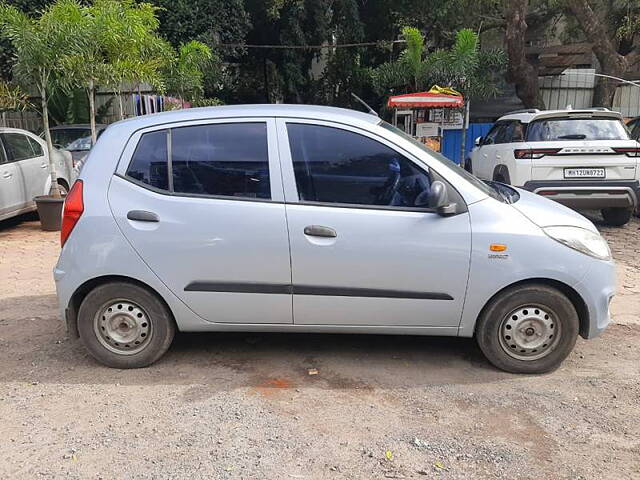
{"points": [[425, 115]]}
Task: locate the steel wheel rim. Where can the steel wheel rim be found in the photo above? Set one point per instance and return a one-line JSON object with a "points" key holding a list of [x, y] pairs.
{"points": [[529, 332], [123, 327]]}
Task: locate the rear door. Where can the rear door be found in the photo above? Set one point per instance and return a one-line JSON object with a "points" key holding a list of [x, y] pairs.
{"points": [[202, 204], [582, 147]]}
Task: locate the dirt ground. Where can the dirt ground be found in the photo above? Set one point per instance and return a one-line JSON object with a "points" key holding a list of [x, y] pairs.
{"points": [[244, 406]]}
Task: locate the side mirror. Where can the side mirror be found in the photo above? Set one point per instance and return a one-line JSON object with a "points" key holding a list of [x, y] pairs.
{"points": [[478, 141], [439, 201]]}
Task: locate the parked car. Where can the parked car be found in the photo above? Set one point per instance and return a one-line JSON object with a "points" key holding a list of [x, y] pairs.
{"points": [[584, 159], [76, 139], [24, 171], [279, 218]]}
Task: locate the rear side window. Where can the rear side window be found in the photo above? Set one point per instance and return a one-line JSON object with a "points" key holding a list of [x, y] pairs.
{"points": [[17, 146], [230, 160], [332, 165], [560, 129], [149, 162], [513, 133], [494, 134], [37, 148]]}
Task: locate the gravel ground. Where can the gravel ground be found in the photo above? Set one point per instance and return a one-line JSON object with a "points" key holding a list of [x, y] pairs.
{"points": [[244, 406]]}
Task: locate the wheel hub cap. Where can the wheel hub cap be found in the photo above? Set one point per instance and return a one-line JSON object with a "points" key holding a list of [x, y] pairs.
{"points": [[529, 332], [123, 327]]}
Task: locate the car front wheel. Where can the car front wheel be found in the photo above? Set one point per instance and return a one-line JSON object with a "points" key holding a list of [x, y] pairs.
{"points": [[528, 329], [124, 325]]}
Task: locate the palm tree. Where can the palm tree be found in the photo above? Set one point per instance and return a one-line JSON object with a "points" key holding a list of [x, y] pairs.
{"points": [[469, 70], [464, 67], [40, 44], [136, 53], [12, 98], [409, 72], [186, 73]]}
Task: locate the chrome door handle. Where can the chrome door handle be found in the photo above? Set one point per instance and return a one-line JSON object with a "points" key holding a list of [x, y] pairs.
{"points": [[142, 216], [7, 175], [498, 157], [43, 165], [320, 231]]}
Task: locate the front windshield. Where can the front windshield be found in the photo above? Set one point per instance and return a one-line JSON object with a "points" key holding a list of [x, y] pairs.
{"points": [[445, 162]]}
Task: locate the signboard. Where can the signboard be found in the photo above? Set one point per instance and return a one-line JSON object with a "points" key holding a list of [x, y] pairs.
{"points": [[452, 118], [427, 130]]}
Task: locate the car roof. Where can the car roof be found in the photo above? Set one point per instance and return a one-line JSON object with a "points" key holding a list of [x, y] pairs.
{"points": [[78, 126], [16, 130], [316, 112], [526, 116]]}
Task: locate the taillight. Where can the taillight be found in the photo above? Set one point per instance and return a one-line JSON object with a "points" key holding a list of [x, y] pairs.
{"points": [[73, 208], [628, 151], [532, 153]]}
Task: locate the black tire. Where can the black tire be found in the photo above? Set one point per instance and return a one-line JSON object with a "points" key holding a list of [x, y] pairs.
{"points": [[161, 326], [616, 217], [498, 313], [468, 166]]}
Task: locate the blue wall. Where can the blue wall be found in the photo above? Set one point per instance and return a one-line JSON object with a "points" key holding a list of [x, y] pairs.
{"points": [[453, 138]]}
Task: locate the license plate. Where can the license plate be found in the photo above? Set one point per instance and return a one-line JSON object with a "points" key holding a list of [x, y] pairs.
{"points": [[584, 173]]}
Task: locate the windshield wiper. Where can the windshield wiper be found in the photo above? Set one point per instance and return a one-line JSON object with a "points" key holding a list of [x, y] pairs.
{"points": [[573, 136]]}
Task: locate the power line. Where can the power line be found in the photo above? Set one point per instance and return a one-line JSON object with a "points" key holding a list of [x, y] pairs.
{"points": [[381, 43]]}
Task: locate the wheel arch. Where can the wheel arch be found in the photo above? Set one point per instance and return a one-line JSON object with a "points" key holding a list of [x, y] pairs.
{"points": [[573, 296], [83, 290], [502, 171], [64, 183]]}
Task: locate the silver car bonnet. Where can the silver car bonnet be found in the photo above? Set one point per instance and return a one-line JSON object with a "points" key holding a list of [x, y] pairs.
{"points": [[545, 213]]}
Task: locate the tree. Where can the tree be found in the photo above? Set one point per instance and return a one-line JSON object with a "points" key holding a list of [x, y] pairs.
{"points": [[611, 34], [520, 71], [12, 98], [471, 71], [410, 71], [87, 65], [40, 44], [465, 67], [134, 51], [186, 73]]}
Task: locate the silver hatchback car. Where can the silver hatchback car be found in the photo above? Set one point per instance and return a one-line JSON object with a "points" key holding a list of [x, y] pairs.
{"points": [[282, 218]]}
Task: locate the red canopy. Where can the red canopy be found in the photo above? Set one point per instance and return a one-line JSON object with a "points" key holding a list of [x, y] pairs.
{"points": [[425, 100]]}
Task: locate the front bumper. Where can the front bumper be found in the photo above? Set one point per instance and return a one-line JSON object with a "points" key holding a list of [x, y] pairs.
{"points": [[597, 289], [589, 194]]}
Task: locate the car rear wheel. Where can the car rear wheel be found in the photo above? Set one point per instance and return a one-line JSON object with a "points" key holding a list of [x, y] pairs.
{"points": [[616, 217], [123, 325], [528, 329]]}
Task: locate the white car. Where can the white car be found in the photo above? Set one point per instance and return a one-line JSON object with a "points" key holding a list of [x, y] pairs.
{"points": [[584, 159], [24, 171]]}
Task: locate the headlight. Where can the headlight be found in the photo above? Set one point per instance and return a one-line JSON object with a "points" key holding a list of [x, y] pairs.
{"points": [[581, 239]]}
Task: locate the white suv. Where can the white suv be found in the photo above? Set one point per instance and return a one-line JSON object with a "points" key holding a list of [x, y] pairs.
{"points": [[584, 159]]}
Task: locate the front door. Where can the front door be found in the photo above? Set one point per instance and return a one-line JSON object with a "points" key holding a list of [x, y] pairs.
{"points": [[12, 197], [364, 250], [484, 159], [203, 206]]}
